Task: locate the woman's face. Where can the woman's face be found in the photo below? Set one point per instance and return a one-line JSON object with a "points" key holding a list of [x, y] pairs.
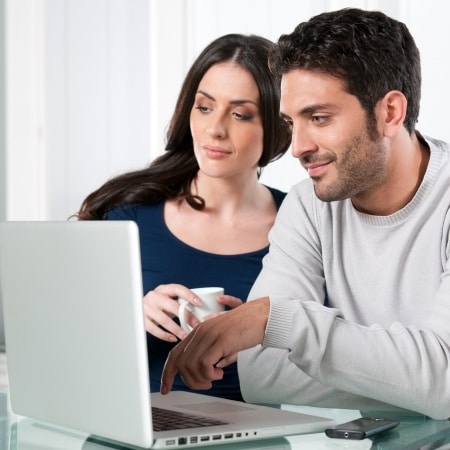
{"points": [[226, 123]]}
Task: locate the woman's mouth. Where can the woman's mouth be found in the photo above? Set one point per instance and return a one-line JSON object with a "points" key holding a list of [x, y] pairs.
{"points": [[215, 152]]}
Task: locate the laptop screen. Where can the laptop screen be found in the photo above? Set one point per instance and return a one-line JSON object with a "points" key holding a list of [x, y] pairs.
{"points": [[2, 331]]}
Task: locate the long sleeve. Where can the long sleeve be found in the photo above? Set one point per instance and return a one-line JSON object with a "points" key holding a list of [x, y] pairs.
{"points": [[360, 305]]}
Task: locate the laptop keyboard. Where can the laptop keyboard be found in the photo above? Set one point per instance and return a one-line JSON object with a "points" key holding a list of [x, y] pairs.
{"points": [[165, 420]]}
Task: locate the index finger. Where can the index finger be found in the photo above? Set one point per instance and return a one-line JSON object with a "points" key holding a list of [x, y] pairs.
{"points": [[170, 368], [194, 359], [174, 290]]}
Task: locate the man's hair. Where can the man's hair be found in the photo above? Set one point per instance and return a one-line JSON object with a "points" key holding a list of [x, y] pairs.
{"points": [[368, 51]]}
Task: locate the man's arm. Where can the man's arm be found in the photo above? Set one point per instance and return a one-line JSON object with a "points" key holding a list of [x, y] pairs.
{"points": [[199, 357], [317, 355], [403, 364]]}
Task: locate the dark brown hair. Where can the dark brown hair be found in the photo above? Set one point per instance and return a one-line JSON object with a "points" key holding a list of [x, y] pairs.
{"points": [[171, 174], [368, 51]]}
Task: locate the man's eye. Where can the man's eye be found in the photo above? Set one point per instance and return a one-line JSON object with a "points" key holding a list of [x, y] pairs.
{"points": [[288, 123], [318, 120]]}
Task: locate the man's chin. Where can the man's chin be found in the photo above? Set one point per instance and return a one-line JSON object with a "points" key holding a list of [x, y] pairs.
{"points": [[326, 194]]}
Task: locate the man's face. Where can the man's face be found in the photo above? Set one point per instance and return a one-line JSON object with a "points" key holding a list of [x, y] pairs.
{"points": [[331, 136]]}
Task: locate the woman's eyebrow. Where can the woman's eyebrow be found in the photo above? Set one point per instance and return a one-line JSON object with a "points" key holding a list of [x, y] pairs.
{"points": [[233, 102]]}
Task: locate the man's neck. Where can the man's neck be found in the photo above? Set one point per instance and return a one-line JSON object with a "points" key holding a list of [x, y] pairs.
{"points": [[408, 161]]}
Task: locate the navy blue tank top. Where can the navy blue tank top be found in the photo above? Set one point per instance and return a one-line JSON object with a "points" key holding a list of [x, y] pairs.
{"points": [[166, 259]]}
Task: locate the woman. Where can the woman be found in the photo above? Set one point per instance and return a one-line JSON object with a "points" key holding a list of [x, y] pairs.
{"points": [[202, 213]]}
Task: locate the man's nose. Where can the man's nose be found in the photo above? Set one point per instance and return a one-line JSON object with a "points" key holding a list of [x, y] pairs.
{"points": [[302, 142]]}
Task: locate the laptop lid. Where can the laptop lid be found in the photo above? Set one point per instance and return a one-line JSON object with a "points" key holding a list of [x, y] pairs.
{"points": [[76, 344], [2, 331], [72, 300]]}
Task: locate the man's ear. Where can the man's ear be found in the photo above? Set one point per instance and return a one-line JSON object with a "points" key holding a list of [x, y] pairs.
{"points": [[391, 112]]}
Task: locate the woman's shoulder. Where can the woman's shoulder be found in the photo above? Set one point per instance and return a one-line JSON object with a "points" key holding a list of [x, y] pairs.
{"points": [[134, 211], [278, 195]]}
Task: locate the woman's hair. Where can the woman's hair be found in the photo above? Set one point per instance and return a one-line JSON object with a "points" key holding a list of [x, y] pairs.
{"points": [[368, 51], [171, 174]]}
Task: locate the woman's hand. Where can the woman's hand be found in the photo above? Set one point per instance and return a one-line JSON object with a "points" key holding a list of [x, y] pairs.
{"points": [[161, 306], [226, 300]]}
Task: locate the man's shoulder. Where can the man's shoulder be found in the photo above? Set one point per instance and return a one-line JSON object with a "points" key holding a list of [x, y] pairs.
{"points": [[437, 144], [301, 192], [438, 171], [439, 149], [302, 199], [303, 187]]}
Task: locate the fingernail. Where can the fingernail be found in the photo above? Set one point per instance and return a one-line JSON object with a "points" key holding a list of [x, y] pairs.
{"points": [[196, 301], [163, 389]]}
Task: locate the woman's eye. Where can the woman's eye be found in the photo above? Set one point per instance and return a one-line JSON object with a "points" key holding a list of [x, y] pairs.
{"points": [[203, 109], [241, 116]]}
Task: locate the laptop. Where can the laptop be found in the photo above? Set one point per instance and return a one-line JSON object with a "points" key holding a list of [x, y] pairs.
{"points": [[76, 344], [28, 434], [2, 332]]}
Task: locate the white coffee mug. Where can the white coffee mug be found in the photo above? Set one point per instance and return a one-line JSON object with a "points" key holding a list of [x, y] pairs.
{"points": [[208, 296]]}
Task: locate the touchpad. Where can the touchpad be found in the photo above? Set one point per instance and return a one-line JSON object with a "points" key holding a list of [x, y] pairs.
{"points": [[213, 407]]}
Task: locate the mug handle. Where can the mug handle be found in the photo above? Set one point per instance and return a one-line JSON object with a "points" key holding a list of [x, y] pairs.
{"points": [[181, 310]]}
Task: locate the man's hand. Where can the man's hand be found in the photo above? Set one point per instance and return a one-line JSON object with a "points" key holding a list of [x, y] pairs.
{"points": [[213, 344]]}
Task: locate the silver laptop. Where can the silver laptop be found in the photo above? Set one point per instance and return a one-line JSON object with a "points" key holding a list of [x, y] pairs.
{"points": [[76, 344], [28, 434], [2, 332]]}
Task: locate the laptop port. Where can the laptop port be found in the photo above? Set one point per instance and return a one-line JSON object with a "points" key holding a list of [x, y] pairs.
{"points": [[193, 439], [228, 436], [217, 437], [204, 438], [182, 441]]}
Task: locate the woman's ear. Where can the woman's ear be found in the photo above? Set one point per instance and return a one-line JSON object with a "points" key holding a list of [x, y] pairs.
{"points": [[392, 111]]}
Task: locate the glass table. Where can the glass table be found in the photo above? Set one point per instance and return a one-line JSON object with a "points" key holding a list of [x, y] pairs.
{"points": [[414, 433]]}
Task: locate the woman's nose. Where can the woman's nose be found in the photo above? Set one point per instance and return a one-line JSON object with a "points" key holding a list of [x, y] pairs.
{"points": [[216, 129]]}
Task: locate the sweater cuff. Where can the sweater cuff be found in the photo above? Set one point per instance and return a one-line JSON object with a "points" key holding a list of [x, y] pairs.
{"points": [[279, 325]]}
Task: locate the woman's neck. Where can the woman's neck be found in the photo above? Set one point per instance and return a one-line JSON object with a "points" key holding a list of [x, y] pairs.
{"points": [[228, 195]]}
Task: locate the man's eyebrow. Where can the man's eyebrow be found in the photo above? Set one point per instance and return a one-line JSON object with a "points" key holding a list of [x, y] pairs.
{"points": [[311, 109], [308, 110], [233, 102]]}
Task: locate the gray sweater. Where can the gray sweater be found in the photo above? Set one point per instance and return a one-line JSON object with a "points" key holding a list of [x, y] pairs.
{"points": [[382, 339]]}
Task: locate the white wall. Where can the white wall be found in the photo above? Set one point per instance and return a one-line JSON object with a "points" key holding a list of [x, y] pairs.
{"points": [[23, 114], [97, 95], [2, 115], [91, 84]]}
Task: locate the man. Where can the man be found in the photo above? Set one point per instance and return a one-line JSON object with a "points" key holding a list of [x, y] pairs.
{"points": [[353, 302]]}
